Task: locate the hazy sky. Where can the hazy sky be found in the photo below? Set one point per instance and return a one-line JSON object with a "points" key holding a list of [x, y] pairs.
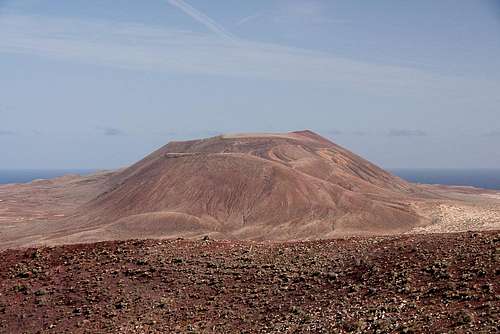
{"points": [[101, 83]]}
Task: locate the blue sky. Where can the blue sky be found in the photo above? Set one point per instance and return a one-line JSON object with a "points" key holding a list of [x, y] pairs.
{"points": [[100, 84]]}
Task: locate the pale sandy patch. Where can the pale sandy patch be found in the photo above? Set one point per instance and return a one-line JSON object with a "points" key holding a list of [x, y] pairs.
{"points": [[494, 196], [451, 217]]}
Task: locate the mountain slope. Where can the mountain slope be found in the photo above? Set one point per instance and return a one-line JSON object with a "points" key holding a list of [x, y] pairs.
{"points": [[254, 186]]}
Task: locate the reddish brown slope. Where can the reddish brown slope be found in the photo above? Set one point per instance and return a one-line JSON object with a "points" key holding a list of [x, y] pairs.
{"points": [[297, 185], [275, 186], [28, 212]]}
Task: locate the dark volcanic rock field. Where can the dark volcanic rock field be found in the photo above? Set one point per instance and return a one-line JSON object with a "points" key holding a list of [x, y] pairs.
{"points": [[405, 284]]}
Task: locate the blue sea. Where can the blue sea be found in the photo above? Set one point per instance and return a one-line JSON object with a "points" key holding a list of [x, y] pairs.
{"points": [[481, 178], [28, 175]]}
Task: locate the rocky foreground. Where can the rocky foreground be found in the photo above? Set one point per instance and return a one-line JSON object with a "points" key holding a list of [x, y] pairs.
{"points": [[406, 284]]}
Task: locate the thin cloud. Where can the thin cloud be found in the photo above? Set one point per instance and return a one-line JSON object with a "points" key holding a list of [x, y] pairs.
{"points": [[249, 18], [310, 11], [7, 133], [142, 47], [111, 131], [406, 133], [305, 8], [202, 18]]}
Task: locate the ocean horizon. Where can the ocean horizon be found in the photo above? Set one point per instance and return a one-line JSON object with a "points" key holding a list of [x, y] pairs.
{"points": [[480, 178], [8, 176]]}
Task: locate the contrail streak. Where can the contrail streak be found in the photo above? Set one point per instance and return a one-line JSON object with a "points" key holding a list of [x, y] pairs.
{"points": [[203, 19], [249, 18]]}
